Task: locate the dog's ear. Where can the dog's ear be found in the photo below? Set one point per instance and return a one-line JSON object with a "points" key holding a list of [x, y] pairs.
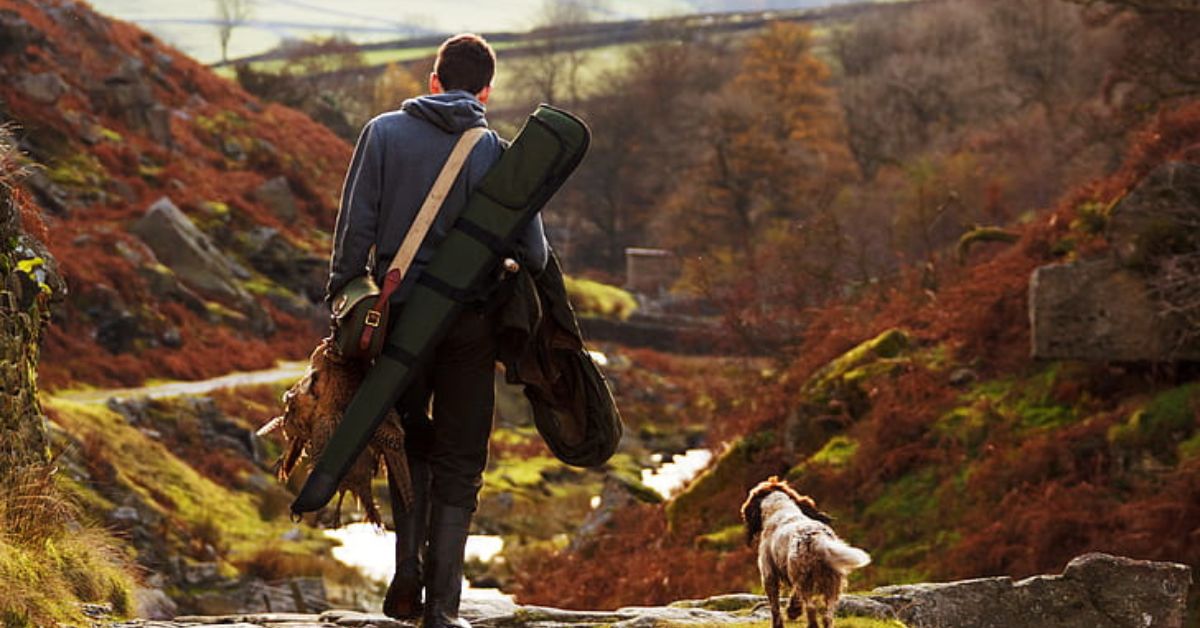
{"points": [[752, 514], [809, 508]]}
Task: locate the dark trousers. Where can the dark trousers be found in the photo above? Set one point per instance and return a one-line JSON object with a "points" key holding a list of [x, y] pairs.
{"points": [[460, 378]]}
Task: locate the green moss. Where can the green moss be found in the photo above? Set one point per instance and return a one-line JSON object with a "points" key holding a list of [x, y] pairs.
{"points": [[727, 470], [726, 539], [1168, 418], [111, 135], [1092, 217], [1190, 448], [79, 170], [838, 452], [984, 234], [592, 298], [889, 344], [174, 489]]}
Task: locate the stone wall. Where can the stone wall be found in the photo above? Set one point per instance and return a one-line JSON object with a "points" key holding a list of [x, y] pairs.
{"points": [[1139, 302]]}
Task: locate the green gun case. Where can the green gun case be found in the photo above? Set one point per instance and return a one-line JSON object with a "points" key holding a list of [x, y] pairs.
{"points": [[545, 152]]}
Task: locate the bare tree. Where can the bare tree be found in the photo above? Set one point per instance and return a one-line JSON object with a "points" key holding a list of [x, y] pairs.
{"points": [[230, 15], [552, 71]]}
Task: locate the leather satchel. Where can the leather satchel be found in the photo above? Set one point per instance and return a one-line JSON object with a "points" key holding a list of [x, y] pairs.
{"points": [[360, 309]]}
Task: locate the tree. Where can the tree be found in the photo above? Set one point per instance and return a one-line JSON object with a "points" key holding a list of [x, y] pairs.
{"points": [[772, 144], [397, 83], [615, 200], [230, 15], [551, 72]]}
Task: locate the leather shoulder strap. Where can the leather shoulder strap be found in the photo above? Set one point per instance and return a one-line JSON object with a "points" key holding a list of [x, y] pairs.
{"points": [[434, 200]]}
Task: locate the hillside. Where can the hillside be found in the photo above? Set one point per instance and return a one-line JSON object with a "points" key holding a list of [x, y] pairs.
{"points": [[117, 120], [916, 416]]}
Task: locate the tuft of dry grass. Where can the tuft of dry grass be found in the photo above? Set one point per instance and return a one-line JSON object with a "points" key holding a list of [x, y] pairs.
{"points": [[51, 559]]}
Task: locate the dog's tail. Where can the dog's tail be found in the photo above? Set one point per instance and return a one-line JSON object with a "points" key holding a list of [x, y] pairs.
{"points": [[840, 555]]}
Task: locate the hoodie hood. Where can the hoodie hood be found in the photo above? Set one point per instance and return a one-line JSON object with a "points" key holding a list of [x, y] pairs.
{"points": [[453, 112]]}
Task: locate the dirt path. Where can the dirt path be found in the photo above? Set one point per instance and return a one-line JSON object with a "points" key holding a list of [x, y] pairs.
{"points": [[285, 372]]}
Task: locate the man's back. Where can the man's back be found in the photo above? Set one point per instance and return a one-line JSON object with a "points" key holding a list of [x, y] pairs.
{"points": [[399, 154]]}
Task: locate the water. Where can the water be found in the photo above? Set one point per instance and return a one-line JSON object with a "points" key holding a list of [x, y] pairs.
{"points": [[673, 475], [373, 552]]}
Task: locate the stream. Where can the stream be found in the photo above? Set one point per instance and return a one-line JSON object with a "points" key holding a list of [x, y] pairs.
{"points": [[372, 551]]}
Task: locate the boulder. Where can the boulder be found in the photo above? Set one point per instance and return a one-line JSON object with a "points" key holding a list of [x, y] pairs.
{"points": [[127, 93], [277, 195], [45, 88], [1100, 310], [1094, 591], [288, 265], [1159, 217], [154, 604], [16, 33], [187, 251]]}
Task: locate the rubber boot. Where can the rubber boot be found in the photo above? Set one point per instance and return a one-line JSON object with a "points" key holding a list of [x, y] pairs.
{"points": [[449, 526], [403, 600]]}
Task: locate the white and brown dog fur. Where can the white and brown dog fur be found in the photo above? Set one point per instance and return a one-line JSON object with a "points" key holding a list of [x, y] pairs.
{"points": [[798, 550]]}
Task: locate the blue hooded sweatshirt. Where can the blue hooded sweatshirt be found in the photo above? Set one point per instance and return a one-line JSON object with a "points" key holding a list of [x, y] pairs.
{"points": [[396, 159]]}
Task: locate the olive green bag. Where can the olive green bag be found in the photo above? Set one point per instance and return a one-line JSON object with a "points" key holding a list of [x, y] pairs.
{"points": [[545, 152]]}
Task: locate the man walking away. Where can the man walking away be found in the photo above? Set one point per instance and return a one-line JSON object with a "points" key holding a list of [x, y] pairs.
{"points": [[397, 158]]}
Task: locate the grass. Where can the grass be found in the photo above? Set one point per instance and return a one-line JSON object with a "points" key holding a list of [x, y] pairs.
{"points": [[52, 559], [199, 509], [592, 298]]}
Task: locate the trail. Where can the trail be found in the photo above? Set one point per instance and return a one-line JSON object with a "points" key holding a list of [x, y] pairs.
{"points": [[285, 372]]}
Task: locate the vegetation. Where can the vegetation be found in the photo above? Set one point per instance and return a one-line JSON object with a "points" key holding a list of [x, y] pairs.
{"points": [[592, 298]]}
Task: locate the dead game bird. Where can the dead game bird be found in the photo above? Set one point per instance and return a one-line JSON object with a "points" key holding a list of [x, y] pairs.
{"points": [[312, 408], [797, 549]]}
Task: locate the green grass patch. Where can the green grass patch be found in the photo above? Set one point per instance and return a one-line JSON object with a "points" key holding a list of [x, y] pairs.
{"points": [[1170, 417], [592, 298], [202, 509]]}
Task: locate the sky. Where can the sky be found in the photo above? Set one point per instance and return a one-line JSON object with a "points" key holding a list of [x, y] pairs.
{"points": [[187, 24]]}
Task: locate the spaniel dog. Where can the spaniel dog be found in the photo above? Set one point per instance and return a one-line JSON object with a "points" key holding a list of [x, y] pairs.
{"points": [[798, 549]]}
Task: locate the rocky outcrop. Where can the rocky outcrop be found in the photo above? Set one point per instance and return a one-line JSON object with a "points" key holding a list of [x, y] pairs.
{"points": [[1137, 303], [187, 251], [277, 195], [1099, 310], [193, 257], [129, 93], [28, 284], [1094, 591]]}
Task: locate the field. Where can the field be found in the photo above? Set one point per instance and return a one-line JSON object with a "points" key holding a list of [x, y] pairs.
{"points": [[189, 25]]}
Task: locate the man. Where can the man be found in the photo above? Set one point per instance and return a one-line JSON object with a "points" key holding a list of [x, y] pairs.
{"points": [[398, 156]]}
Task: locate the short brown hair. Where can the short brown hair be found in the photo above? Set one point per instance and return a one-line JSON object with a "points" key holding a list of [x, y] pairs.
{"points": [[465, 62]]}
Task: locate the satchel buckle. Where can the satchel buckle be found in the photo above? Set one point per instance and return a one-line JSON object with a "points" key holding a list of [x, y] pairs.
{"points": [[373, 318]]}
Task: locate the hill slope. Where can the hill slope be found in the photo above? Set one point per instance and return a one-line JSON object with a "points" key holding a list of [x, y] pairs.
{"points": [[916, 416], [117, 120]]}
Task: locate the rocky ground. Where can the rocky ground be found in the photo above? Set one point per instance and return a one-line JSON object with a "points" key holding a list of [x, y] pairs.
{"points": [[1094, 591]]}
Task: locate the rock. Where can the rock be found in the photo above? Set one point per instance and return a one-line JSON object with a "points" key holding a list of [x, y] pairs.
{"points": [[125, 515], [292, 267], [96, 611], [277, 195], [45, 88], [187, 251], [128, 94], [1099, 310], [116, 327], [16, 33], [49, 194], [1094, 590], [1158, 217], [201, 573], [963, 377], [154, 604]]}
